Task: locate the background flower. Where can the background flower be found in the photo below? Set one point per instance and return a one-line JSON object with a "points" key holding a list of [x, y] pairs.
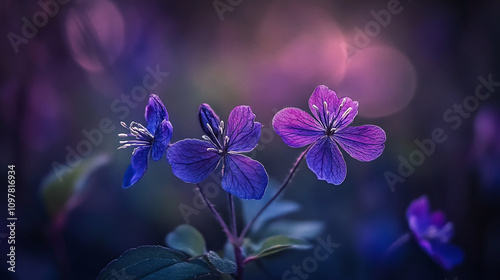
{"points": [[433, 232]]}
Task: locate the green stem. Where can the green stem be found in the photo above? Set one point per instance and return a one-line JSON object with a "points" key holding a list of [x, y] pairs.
{"points": [[394, 246], [230, 236], [283, 186], [233, 215], [236, 245]]}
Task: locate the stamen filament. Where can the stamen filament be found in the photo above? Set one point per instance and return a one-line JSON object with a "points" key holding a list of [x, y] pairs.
{"points": [[221, 126]]}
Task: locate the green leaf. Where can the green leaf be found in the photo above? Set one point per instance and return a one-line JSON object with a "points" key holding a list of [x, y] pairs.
{"points": [[187, 239], [63, 187], [156, 262], [222, 265], [277, 209], [279, 243], [297, 229]]}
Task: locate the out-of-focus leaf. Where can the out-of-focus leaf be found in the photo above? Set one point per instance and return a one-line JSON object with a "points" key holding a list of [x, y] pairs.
{"points": [[156, 262], [222, 265], [277, 209], [60, 190], [187, 239], [279, 243], [296, 229]]}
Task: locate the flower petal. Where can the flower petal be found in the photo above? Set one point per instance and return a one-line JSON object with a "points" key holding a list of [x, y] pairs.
{"points": [[323, 103], [242, 130], [417, 215], [438, 219], [191, 160], [296, 127], [155, 113], [161, 140], [137, 168], [447, 255], [244, 177], [207, 116], [326, 161], [364, 143], [346, 111], [331, 110]]}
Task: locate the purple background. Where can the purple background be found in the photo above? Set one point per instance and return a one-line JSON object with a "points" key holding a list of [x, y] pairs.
{"points": [[406, 71]]}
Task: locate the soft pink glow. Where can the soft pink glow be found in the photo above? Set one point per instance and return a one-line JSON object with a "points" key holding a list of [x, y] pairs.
{"points": [[382, 79], [95, 34]]}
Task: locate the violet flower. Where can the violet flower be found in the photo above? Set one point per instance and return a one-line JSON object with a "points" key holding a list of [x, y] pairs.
{"points": [[149, 142], [192, 160], [433, 232], [327, 128]]}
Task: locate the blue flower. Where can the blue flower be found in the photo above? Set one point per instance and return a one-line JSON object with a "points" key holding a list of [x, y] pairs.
{"points": [[192, 160], [150, 141], [433, 233]]}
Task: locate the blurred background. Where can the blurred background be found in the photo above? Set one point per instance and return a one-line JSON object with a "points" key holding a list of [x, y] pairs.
{"points": [[70, 71]]}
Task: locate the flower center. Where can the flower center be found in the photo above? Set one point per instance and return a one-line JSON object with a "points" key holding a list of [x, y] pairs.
{"points": [[435, 233], [219, 141], [142, 136], [331, 122]]}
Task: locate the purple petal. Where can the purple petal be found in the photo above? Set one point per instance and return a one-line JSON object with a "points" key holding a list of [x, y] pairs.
{"points": [[208, 117], [192, 160], [438, 219], [242, 130], [137, 168], [417, 215], [346, 111], [296, 127], [323, 98], [244, 177], [161, 140], [447, 255], [326, 161], [364, 143], [155, 113], [331, 110]]}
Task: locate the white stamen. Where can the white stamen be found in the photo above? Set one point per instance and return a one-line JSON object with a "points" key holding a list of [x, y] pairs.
{"points": [[226, 140], [212, 150], [206, 138], [124, 124], [221, 126], [123, 135], [343, 101], [346, 112], [210, 128]]}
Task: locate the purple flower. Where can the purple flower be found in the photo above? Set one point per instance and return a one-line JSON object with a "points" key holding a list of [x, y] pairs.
{"points": [[325, 129], [149, 142], [192, 160], [433, 232]]}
